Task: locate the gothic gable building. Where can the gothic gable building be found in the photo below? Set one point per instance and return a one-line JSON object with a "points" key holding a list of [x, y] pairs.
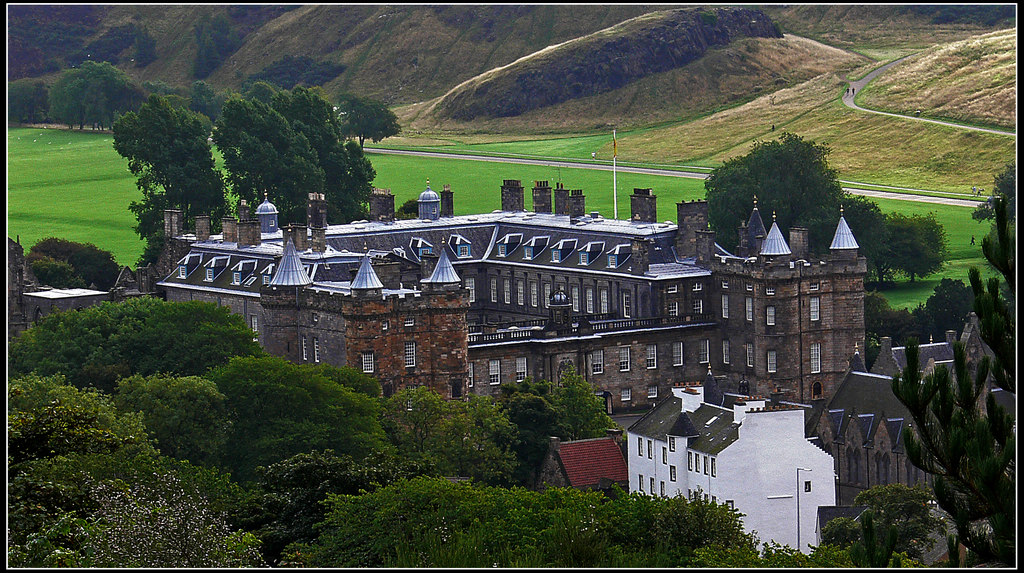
{"points": [[465, 303]]}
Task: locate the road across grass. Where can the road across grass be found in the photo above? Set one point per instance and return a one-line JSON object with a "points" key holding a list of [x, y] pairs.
{"points": [[912, 196]]}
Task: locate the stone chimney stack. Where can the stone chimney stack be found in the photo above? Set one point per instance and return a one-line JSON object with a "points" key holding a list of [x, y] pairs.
{"points": [[692, 216], [950, 337], [172, 223], [643, 206], [382, 205], [512, 196], [249, 233], [299, 236], [541, 197], [229, 228], [447, 201], [561, 200], [243, 210], [577, 204], [318, 239], [704, 242], [798, 242], [316, 211], [641, 256], [202, 227]]}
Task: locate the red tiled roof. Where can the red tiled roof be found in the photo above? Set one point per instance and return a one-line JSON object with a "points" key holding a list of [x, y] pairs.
{"points": [[587, 461]]}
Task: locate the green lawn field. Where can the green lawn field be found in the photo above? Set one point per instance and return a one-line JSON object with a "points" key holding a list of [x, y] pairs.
{"points": [[73, 185]]}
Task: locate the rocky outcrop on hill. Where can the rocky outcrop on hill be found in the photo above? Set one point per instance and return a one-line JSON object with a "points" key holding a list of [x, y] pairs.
{"points": [[603, 61]]}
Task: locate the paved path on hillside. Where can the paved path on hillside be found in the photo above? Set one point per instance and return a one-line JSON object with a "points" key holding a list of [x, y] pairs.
{"points": [[847, 185], [857, 85]]}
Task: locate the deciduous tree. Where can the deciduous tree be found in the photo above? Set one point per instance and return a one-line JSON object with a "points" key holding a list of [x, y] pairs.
{"points": [[365, 118]]}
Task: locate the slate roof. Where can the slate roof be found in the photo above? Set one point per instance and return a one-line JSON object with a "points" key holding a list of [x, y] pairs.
{"points": [[871, 402], [843, 239], [755, 226], [587, 461], [827, 513], [665, 419], [716, 429], [938, 351], [775, 244]]}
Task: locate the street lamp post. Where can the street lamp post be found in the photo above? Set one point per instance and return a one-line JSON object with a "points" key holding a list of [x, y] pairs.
{"points": [[798, 470]]}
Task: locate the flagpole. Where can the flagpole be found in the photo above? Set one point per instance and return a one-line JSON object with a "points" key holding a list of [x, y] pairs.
{"points": [[615, 183]]}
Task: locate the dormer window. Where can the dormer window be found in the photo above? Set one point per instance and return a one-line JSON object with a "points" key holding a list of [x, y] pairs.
{"points": [[698, 287], [463, 250], [236, 278], [769, 290], [209, 275], [182, 271], [502, 250], [527, 252], [584, 258], [266, 279], [426, 251], [556, 256], [613, 261]]}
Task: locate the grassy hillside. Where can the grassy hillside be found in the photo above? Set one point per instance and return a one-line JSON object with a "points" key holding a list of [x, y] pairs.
{"points": [[972, 80]]}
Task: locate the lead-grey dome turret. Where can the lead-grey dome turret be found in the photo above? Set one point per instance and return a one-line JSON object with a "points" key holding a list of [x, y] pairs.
{"points": [[267, 215], [429, 203]]}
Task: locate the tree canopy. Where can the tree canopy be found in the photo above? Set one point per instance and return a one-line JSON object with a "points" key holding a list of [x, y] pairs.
{"points": [[90, 264], [167, 150], [365, 118], [289, 148], [94, 93]]}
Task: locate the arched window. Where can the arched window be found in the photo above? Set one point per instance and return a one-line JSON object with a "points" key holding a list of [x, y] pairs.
{"points": [[816, 390]]}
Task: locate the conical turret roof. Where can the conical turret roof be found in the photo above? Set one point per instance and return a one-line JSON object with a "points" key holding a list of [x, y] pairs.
{"points": [[843, 238], [444, 272], [712, 393], [755, 226], [290, 271], [775, 244], [366, 278]]}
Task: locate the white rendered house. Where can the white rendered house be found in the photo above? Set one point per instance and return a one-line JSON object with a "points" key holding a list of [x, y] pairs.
{"points": [[738, 451]]}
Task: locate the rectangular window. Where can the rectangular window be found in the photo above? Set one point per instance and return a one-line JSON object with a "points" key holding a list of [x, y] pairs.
{"points": [[494, 290], [650, 450], [807, 486], [725, 284], [209, 275], [725, 306], [385, 324], [671, 443], [604, 300], [410, 321], [584, 258], [815, 357], [677, 354], [182, 271], [597, 362], [673, 308], [652, 486], [236, 278], [815, 308], [533, 294], [410, 354], [305, 354], [472, 375], [640, 446], [730, 503], [463, 251], [266, 279], [705, 351], [815, 285], [316, 349], [641, 482], [698, 287], [672, 289], [471, 287], [689, 461], [494, 372], [672, 473], [547, 295], [507, 283], [623, 359], [769, 290], [696, 463], [698, 306], [368, 362], [663, 489], [750, 355], [705, 465], [769, 315], [750, 309], [652, 356], [520, 368], [590, 300], [556, 256], [254, 323], [626, 394], [652, 391], [627, 305], [772, 366], [750, 287], [502, 250], [713, 467], [613, 261], [520, 293], [527, 252], [664, 455], [575, 298], [725, 351]]}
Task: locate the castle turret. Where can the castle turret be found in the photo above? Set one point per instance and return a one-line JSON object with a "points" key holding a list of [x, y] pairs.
{"points": [[775, 244], [366, 284], [844, 245], [429, 204], [444, 274]]}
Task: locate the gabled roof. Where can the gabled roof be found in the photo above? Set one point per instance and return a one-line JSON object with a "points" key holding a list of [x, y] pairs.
{"points": [[775, 244], [665, 419], [290, 271], [365, 277], [716, 427], [843, 238], [587, 461]]}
